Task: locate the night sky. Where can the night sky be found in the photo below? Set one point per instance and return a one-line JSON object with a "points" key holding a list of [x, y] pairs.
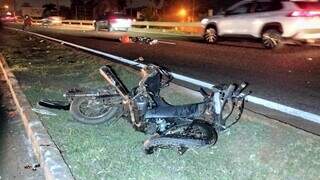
{"points": [[41, 2], [36, 3]]}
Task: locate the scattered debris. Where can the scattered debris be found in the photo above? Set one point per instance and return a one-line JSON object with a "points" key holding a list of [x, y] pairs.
{"points": [[166, 42], [153, 42], [141, 39], [33, 166], [43, 111], [36, 48], [41, 41], [150, 41], [125, 39], [145, 40], [28, 166]]}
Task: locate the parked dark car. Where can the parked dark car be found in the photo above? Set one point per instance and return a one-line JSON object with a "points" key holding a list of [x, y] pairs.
{"points": [[113, 22]]}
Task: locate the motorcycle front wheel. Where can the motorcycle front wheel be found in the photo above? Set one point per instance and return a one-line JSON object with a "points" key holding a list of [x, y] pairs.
{"points": [[91, 110]]}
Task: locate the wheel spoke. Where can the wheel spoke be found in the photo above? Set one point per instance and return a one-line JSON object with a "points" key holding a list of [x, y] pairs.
{"points": [[210, 35], [92, 108]]}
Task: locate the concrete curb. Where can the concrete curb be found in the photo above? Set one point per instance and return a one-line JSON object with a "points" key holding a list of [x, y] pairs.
{"points": [[43, 146]]}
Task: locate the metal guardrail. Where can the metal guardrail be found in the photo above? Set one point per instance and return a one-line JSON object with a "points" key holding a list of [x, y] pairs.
{"points": [[139, 24], [149, 24], [146, 24], [78, 22]]}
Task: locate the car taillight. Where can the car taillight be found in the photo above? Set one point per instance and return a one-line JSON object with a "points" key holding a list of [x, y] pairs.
{"points": [[310, 13], [113, 20]]}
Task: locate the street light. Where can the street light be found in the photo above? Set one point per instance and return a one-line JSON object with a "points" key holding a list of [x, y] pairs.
{"points": [[182, 12], [6, 7]]}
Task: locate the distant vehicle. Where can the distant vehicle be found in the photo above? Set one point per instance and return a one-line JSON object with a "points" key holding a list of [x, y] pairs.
{"points": [[9, 18], [274, 22], [113, 22], [51, 20]]}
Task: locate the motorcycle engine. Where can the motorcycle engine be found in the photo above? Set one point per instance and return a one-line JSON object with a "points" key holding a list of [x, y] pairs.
{"points": [[141, 104]]}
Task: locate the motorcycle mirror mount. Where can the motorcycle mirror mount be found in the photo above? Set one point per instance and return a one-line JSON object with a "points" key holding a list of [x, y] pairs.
{"points": [[140, 59]]}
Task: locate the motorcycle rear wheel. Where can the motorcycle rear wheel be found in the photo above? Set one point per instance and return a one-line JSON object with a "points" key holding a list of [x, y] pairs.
{"points": [[195, 135], [90, 110]]}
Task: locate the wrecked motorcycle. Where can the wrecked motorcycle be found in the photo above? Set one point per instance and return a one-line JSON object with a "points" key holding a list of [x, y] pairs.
{"points": [[171, 126]]}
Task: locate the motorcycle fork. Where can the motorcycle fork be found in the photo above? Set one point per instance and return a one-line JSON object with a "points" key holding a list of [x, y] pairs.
{"points": [[113, 80], [217, 110], [219, 100]]}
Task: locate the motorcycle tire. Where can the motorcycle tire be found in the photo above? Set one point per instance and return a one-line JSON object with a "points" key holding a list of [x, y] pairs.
{"points": [[81, 115], [182, 141]]}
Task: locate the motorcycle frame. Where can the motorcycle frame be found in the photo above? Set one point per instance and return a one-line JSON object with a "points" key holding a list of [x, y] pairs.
{"points": [[219, 99]]}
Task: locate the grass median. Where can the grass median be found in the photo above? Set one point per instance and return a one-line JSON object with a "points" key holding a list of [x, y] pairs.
{"points": [[255, 148]]}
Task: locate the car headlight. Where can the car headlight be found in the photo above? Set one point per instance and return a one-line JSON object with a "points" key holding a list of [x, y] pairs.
{"points": [[204, 21]]}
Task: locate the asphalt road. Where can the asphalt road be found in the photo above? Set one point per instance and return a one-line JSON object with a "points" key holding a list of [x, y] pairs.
{"points": [[290, 76]]}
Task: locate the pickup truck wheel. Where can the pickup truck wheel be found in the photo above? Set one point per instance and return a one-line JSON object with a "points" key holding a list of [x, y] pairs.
{"points": [[272, 39], [211, 35]]}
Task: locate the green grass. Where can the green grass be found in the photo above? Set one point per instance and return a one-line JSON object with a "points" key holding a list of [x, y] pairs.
{"points": [[255, 148]]}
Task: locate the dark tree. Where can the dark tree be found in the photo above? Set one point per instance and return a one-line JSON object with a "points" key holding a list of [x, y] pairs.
{"points": [[65, 12], [26, 4], [49, 10], [76, 8], [122, 4]]}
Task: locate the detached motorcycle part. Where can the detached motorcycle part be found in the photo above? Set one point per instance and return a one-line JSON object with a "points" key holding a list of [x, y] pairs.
{"points": [[194, 135], [61, 105]]}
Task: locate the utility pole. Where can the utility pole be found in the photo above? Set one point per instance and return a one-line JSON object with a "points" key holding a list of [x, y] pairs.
{"points": [[193, 9], [14, 7], [131, 8]]}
